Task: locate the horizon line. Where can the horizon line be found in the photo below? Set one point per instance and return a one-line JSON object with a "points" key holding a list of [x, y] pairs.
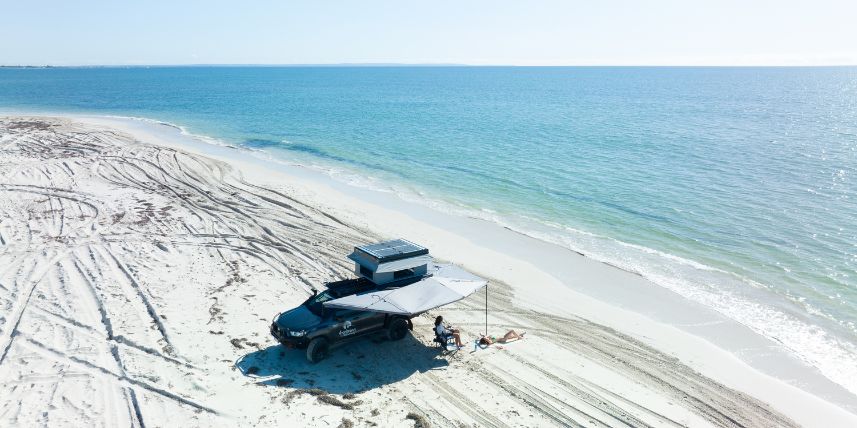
{"points": [[406, 64]]}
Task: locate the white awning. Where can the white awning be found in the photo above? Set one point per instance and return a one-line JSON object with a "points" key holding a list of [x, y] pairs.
{"points": [[447, 284]]}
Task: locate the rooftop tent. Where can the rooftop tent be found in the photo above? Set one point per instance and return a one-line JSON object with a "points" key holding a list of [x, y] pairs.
{"points": [[447, 284], [374, 256], [388, 261]]}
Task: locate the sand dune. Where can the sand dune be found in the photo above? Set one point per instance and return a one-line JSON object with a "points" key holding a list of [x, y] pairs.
{"points": [[138, 281]]}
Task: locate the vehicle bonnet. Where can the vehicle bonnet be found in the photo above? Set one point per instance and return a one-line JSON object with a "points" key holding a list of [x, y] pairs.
{"points": [[299, 318]]}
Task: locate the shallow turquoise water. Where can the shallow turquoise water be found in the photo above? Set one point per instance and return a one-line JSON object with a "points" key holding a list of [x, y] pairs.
{"points": [[734, 187]]}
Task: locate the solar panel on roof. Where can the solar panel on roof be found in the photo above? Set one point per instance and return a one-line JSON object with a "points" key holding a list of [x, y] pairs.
{"points": [[392, 250]]}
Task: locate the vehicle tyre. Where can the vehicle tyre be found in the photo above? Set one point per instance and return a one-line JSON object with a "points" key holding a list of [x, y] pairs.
{"points": [[317, 350], [397, 329]]}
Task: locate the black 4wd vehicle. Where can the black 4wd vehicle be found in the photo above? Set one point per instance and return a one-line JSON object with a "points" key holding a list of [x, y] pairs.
{"points": [[356, 307], [316, 328]]}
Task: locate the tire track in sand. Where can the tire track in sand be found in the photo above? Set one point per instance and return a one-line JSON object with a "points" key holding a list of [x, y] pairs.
{"points": [[122, 380]]}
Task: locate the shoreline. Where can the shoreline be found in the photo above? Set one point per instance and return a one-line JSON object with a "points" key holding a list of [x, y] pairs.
{"points": [[578, 287], [619, 299], [750, 305], [780, 319]]}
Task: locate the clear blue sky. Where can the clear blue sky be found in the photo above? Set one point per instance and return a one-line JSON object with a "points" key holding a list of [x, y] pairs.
{"points": [[570, 32]]}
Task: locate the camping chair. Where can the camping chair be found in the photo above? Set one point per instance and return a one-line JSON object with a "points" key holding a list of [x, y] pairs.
{"points": [[444, 341]]}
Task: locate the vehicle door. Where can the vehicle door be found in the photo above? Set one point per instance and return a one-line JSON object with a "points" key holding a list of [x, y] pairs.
{"points": [[350, 323], [374, 321]]}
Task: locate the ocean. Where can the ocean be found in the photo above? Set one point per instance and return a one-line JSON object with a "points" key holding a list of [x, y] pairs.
{"points": [[733, 187]]}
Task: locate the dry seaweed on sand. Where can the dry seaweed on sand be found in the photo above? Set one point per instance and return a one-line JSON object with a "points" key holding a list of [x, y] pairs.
{"points": [[322, 396], [311, 391], [419, 420], [333, 401]]}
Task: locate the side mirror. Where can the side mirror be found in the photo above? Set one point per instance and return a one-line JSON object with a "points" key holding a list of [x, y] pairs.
{"points": [[314, 292]]}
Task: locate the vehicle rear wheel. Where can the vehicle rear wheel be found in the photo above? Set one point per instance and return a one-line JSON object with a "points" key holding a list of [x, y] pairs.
{"points": [[317, 350], [397, 329]]}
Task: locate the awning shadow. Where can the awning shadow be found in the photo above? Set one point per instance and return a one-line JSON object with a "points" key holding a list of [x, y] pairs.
{"points": [[354, 367]]}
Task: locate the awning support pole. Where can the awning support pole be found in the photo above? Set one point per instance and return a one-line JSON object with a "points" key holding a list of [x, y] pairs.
{"points": [[486, 309]]}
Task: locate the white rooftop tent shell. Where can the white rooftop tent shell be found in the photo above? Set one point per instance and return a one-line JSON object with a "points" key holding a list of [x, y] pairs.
{"points": [[403, 264], [388, 261]]}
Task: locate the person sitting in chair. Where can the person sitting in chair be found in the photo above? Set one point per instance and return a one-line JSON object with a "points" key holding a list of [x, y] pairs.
{"points": [[511, 336], [445, 332]]}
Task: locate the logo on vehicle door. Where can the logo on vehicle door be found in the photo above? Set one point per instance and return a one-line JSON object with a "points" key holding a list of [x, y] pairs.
{"points": [[346, 329]]}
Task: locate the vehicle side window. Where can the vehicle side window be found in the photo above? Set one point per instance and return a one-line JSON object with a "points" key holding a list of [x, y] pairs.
{"points": [[366, 271], [404, 273]]}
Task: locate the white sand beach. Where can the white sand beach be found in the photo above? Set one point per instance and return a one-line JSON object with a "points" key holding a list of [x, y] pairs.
{"points": [[140, 270]]}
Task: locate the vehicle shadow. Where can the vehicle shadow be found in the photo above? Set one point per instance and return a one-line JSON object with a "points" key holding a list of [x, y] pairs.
{"points": [[354, 367]]}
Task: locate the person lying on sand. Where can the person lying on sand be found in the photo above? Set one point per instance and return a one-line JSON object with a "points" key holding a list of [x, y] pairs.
{"points": [[446, 332], [511, 336]]}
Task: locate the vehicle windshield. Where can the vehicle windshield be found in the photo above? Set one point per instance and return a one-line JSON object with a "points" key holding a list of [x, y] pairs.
{"points": [[314, 303]]}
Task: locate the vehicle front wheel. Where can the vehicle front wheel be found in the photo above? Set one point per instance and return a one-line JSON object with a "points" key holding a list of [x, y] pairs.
{"points": [[397, 329], [317, 350]]}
